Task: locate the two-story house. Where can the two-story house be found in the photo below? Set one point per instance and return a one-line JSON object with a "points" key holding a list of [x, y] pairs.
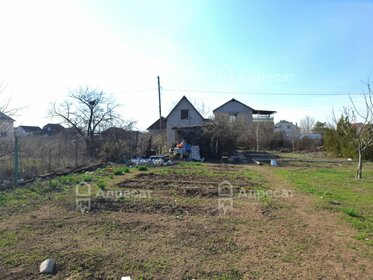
{"points": [[183, 115], [25, 130], [234, 110], [288, 130], [6, 125]]}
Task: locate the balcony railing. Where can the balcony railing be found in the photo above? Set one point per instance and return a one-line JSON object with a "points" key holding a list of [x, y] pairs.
{"points": [[262, 118]]}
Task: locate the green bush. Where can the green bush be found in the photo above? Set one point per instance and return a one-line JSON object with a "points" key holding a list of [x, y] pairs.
{"points": [[351, 212], [87, 178], [121, 171], [142, 168], [101, 184]]}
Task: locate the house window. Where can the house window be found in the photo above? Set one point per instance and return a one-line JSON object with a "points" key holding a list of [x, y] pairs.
{"points": [[184, 114], [288, 126], [2, 133]]}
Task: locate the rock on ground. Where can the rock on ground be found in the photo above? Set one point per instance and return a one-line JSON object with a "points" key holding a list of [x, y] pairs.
{"points": [[48, 266]]}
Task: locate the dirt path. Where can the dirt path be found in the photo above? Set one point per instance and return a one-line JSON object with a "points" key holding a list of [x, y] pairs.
{"points": [[336, 237]]}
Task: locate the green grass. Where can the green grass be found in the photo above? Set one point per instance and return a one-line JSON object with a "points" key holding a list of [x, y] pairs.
{"points": [[142, 168], [167, 234], [338, 190], [101, 184], [87, 178], [120, 171]]}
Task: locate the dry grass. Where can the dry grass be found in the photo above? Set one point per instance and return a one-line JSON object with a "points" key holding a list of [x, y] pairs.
{"points": [[176, 232], [39, 155]]}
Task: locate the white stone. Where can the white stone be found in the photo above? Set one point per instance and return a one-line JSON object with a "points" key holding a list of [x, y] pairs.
{"points": [[126, 278], [48, 266]]}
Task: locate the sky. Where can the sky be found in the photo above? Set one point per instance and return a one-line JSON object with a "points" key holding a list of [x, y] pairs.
{"points": [[295, 57]]}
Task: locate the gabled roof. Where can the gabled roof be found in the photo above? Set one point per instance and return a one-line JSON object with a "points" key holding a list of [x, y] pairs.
{"points": [[5, 117], [233, 100], [30, 128], [155, 125], [285, 122], [259, 112], [191, 105], [53, 125]]}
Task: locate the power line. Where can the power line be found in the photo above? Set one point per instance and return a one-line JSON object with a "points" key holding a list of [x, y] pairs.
{"points": [[134, 90], [263, 93], [240, 92]]}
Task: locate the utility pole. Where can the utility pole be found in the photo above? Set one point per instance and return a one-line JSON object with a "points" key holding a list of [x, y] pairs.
{"points": [[160, 114], [160, 108]]}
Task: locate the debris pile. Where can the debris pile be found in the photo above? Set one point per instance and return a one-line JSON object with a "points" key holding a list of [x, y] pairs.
{"points": [[152, 161]]}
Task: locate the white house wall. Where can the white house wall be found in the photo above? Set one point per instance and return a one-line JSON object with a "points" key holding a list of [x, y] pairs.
{"points": [[6, 128], [231, 108], [174, 119]]}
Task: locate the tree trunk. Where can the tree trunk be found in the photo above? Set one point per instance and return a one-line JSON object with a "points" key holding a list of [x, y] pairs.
{"points": [[359, 173]]}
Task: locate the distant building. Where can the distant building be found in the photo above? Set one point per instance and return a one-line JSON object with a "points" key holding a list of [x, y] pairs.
{"points": [[24, 130], [72, 131], [6, 126], [52, 129], [155, 130], [289, 130], [183, 115], [311, 136], [235, 110]]}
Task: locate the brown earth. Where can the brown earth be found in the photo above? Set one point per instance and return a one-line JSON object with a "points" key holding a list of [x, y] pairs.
{"points": [[178, 233]]}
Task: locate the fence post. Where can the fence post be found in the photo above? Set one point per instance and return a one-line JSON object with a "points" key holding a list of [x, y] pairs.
{"points": [[50, 161], [76, 151], [16, 161]]}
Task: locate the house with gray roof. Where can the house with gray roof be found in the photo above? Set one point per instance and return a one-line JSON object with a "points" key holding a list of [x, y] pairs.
{"points": [[234, 110], [6, 126], [25, 130], [183, 115]]}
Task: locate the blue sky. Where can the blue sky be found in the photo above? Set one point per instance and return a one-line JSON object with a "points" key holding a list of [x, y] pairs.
{"points": [[210, 51]]}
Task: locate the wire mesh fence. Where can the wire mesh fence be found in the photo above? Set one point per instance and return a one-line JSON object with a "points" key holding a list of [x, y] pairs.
{"points": [[24, 158], [30, 156]]}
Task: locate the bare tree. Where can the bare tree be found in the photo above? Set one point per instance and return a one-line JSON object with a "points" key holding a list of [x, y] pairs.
{"points": [[201, 107], [358, 127], [87, 110], [263, 131], [307, 124], [6, 114], [293, 137], [5, 102]]}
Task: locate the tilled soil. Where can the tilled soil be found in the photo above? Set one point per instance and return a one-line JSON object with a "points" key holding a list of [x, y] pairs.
{"points": [[179, 233]]}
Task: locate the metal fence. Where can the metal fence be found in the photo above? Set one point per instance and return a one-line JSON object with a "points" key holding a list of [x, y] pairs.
{"points": [[23, 158], [28, 157]]}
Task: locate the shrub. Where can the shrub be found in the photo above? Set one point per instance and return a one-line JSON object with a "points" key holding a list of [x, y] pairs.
{"points": [[54, 184], [351, 212], [87, 178], [142, 168], [121, 171], [101, 184]]}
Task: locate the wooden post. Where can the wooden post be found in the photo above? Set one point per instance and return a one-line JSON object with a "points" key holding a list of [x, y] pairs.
{"points": [[16, 161]]}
